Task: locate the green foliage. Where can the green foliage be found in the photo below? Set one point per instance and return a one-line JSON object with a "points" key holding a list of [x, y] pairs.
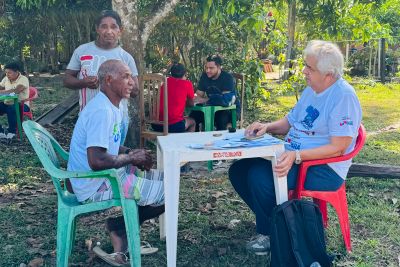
{"points": [[361, 23], [296, 82]]}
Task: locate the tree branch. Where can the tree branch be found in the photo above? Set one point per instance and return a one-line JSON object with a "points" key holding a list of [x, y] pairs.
{"points": [[159, 16]]}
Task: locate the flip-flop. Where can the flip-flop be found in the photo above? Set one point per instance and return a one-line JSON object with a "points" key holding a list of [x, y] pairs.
{"points": [[110, 258], [147, 249]]}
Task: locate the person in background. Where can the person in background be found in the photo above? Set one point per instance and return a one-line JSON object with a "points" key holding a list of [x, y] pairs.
{"points": [[215, 78], [324, 123], [13, 83], [81, 73], [180, 95]]}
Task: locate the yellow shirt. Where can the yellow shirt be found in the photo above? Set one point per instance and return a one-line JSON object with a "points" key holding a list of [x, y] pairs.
{"points": [[21, 80]]}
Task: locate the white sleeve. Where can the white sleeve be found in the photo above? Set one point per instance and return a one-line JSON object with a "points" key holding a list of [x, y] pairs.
{"points": [[98, 129], [345, 118], [74, 63]]}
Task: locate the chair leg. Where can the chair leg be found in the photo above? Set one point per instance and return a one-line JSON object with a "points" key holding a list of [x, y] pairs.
{"points": [[323, 208], [65, 222], [132, 230], [343, 216], [73, 234]]}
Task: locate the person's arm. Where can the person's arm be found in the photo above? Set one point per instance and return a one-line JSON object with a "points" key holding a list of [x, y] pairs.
{"points": [[336, 147], [189, 102], [72, 82], [135, 86], [99, 159], [17, 90], [281, 127]]}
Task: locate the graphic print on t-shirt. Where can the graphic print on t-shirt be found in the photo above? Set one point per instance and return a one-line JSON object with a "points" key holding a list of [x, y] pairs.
{"points": [[90, 64], [312, 115], [116, 132]]}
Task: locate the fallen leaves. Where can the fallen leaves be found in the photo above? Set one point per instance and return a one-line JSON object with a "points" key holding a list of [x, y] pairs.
{"points": [[37, 262]]}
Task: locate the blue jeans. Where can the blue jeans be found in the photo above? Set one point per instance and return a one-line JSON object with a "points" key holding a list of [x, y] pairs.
{"points": [[253, 180]]}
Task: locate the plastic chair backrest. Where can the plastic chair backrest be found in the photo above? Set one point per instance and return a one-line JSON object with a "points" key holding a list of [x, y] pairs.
{"points": [[33, 93], [150, 91], [360, 141], [47, 149], [241, 91]]}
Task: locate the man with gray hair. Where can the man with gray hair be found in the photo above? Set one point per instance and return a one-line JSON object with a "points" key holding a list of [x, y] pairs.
{"points": [[324, 123], [95, 145]]}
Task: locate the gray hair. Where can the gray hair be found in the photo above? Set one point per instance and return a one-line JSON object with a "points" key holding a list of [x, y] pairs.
{"points": [[328, 55], [109, 67]]}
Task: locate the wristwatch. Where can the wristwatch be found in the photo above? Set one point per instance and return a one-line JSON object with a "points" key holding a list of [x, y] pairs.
{"points": [[298, 158]]}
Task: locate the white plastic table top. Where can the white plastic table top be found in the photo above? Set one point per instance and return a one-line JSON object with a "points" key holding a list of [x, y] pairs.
{"points": [[172, 152]]}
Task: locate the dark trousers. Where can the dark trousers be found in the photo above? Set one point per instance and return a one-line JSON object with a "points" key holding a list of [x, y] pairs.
{"points": [[11, 117], [221, 120], [253, 180]]}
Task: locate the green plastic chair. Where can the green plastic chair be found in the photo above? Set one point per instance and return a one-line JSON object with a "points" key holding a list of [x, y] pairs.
{"points": [[49, 152]]}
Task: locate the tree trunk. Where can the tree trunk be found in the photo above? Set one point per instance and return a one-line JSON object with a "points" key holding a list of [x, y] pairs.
{"points": [[134, 42], [291, 31]]}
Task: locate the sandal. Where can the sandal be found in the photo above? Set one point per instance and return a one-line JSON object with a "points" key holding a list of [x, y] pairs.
{"points": [[111, 258], [147, 249]]}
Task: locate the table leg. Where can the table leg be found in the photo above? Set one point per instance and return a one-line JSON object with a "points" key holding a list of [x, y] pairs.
{"points": [[19, 125], [171, 187], [161, 218], [280, 183]]}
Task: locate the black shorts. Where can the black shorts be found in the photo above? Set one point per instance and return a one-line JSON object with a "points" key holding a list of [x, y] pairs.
{"points": [[178, 127]]}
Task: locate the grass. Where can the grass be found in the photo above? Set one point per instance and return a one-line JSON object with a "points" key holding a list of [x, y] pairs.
{"points": [[208, 204]]}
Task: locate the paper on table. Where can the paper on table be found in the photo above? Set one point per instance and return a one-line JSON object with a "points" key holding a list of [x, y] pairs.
{"points": [[236, 140]]}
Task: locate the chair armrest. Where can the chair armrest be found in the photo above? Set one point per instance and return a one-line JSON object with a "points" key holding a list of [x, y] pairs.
{"points": [[110, 174], [308, 163]]}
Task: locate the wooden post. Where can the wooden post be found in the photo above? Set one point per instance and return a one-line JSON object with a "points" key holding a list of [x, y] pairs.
{"points": [[382, 59]]}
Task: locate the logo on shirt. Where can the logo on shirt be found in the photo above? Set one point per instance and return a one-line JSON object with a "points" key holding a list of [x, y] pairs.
{"points": [[116, 133], [312, 115], [346, 121]]}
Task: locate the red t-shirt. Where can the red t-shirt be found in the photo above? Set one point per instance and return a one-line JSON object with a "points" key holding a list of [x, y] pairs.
{"points": [[178, 91]]}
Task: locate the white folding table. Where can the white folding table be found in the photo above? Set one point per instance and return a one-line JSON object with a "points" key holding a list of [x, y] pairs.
{"points": [[173, 152]]}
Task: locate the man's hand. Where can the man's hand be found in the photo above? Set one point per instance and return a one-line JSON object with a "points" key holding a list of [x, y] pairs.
{"points": [[91, 82], [256, 129], [141, 158], [199, 99], [284, 163]]}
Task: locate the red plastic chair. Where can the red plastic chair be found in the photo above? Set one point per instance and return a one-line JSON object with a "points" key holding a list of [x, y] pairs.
{"points": [[336, 198], [33, 94]]}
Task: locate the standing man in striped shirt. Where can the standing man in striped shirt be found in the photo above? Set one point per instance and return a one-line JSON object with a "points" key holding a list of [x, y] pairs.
{"points": [[81, 73]]}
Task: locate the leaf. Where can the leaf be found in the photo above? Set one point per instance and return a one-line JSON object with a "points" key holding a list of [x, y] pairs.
{"points": [[89, 244], [233, 223], [37, 262], [394, 201], [218, 194]]}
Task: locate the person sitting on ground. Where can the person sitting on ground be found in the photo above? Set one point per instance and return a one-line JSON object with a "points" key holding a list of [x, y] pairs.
{"points": [[324, 123], [13, 82], [215, 80], [95, 145], [180, 95]]}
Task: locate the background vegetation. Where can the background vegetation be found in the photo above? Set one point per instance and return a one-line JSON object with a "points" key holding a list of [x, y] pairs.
{"points": [[205, 238], [43, 35]]}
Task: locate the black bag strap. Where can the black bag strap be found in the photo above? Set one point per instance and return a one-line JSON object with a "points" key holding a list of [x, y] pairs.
{"points": [[291, 214], [274, 235], [313, 225]]}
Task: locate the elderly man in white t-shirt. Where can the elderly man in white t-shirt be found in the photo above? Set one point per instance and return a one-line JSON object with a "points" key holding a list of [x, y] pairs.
{"points": [[324, 123], [95, 145]]}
